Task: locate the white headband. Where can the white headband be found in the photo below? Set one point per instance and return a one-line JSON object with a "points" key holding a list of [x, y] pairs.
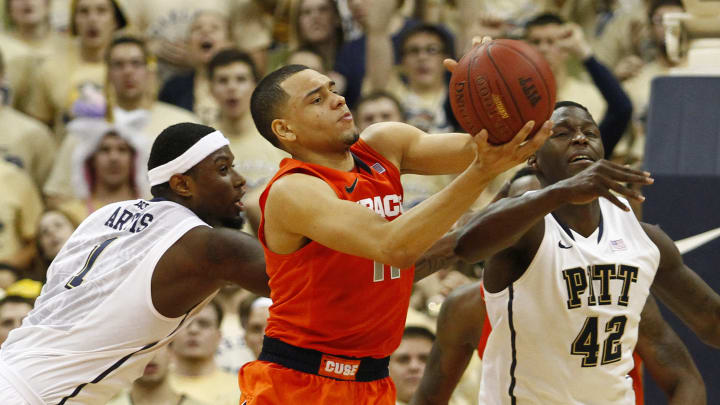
{"points": [[202, 149]]}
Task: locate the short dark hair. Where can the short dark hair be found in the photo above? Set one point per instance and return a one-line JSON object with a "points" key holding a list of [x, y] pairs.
{"points": [[418, 332], [543, 19], [656, 4], [568, 103], [117, 12], [229, 56], [268, 97], [16, 299], [172, 142], [431, 29], [127, 39], [378, 95]]}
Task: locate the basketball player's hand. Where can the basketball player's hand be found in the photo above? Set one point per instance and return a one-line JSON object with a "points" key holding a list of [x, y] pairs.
{"points": [[476, 41], [496, 159], [600, 180]]}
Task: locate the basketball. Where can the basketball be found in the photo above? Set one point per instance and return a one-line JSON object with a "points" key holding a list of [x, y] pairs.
{"points": [[499, 86]]}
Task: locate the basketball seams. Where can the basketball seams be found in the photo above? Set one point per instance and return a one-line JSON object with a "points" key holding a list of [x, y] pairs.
{"points": [[471, 88], [539, 74], [507, 86]]}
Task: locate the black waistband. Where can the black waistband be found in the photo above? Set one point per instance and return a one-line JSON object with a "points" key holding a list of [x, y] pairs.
{"points": [[310, 361]]}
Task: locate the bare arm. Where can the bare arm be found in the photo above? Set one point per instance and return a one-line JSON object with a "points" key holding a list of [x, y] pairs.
{"points": [[380, 56], [668, 360], [683, 291], [440, 256], [400, 242], [459, 329], [203, 260], [517, 221], [415, 151]]}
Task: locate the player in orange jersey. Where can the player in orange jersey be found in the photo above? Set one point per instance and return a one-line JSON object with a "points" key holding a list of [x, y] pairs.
{"points": [[339, 253]]}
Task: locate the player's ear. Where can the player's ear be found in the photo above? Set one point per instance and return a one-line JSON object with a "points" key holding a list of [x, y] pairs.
{"points": [[180, 184], [282, 130]]}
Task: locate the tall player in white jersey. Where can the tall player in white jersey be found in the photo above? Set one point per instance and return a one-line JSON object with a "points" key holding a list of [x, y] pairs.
{"points": [[568, 279], [133, 274]]}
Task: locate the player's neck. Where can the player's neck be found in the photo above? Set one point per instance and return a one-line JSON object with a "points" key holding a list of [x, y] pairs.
{"points": [[341, 160], [583, 219], [154, 395], [194, 367]]}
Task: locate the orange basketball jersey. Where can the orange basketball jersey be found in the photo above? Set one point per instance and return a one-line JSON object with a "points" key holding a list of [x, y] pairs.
{"points": [[334, 302]]}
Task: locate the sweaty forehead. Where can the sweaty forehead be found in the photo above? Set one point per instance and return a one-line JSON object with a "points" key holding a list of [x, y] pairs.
{"points": [[571, 115]]}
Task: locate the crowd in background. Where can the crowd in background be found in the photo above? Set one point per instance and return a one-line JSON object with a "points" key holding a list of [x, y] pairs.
{"points": [[86, 85]]}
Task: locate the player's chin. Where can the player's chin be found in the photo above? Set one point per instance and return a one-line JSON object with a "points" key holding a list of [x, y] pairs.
{"points": [[235, 222], [351, 137]]}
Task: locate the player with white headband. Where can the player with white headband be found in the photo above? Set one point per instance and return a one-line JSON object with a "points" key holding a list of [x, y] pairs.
{"points": [[134, 273]]}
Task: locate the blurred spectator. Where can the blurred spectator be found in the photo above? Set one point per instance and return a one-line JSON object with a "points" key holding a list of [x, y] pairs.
{"points": [[166, 23], [195, 372], [209, 32], [70, 83], [407, 363], [54, 230], [557, 42], [131, 98], [153, 387], [233, 77], [25, 140], [29, 40], [20, 209], [8, 275], [109, 165], [232, 353], [254, 312], [308, 57], [12, 311], [315, 25], [422, 90], [350, 62]]}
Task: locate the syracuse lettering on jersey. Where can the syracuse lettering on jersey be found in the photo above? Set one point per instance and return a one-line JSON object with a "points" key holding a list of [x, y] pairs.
{"points": [[578, 280], [388, 206]]}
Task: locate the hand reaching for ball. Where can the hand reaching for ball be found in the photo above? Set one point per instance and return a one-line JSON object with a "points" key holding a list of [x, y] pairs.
{"points": [[495, 159]]}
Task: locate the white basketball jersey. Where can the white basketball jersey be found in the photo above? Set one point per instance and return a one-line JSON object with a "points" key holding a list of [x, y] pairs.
{"points": [[94, 327], [565, 331]]}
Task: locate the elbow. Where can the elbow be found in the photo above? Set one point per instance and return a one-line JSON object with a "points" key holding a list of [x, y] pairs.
{"points": [[400, 259]]}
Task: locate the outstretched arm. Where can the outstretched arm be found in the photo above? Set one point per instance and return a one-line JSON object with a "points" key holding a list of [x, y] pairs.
{"points": [[203, 260], [668, 360], [683, 291], [459, 329], [517, 221]]}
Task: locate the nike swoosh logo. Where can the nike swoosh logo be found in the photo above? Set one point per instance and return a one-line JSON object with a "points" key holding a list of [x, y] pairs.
{"points": [[560, 244], [351, 188], [693, 242]]}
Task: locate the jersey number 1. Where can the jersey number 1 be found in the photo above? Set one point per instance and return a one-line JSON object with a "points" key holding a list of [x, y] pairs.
{"points": [[78, 279], [586, 342]]}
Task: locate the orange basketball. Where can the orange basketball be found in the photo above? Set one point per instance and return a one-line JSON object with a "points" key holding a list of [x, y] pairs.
{"points": [[499, 86]]}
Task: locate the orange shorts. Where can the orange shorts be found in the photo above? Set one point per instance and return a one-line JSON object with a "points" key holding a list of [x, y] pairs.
{"points": [[265, 383]]}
